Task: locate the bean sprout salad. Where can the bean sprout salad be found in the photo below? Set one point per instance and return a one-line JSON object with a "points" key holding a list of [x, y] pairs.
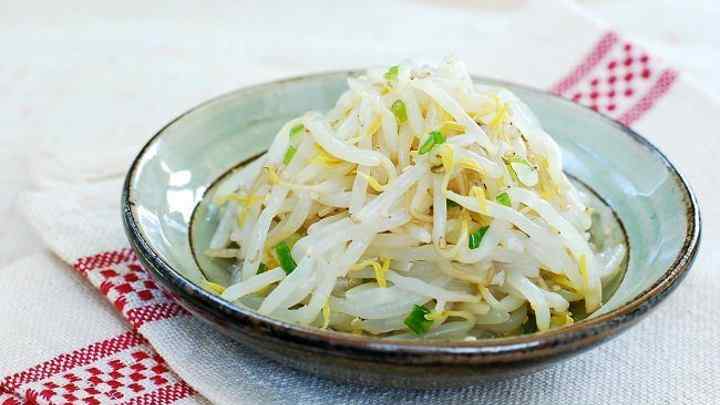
{"points": [[423, 205]]}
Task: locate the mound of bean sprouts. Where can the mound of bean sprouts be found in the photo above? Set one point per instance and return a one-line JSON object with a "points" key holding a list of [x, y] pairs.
{"points": [[422, 205]]}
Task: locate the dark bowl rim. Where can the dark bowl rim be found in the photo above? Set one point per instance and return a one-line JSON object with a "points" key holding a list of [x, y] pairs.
{"points": [[566, 339]]}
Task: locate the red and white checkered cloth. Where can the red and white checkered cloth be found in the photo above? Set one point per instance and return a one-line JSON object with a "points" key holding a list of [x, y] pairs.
{"points": [[62, 345]]}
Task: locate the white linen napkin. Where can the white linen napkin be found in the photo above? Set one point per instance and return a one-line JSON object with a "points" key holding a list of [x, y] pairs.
{"points": [[69, 345]]}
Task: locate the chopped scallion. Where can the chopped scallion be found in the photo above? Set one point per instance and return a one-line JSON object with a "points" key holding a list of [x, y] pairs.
{"points": [[452, 204], [262, 268], [417, 322], [398, 108], [284, 257], [289, 154], [435, 138], [476, 237], [504, 199], [425, 148], [296, 131], [392, 73]]}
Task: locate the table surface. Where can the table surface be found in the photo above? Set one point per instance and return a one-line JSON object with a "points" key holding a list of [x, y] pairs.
{"points": [[63, 69]]}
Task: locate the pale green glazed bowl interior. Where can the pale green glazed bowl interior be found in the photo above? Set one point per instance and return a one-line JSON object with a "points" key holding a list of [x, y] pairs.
{"points": [[177, 166]]}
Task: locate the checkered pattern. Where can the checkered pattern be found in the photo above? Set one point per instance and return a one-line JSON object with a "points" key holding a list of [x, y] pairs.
{"points": [[105, 259], [617, 78], [616, 84], [123, 281], [120, 277], [121, 369], [8, 399], [127, 374]]}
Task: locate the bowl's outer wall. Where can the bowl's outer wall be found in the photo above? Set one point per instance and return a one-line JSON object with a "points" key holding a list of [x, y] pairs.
{"points": [[172, 173]]}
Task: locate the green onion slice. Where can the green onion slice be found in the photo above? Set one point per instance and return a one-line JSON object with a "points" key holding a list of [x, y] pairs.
{"points": [[392, 73], [476, 237], [504, 199], [435, 138], [289, 154], [296, 131], [284, 257], [425, 148], [417, 322], [398, 108]]}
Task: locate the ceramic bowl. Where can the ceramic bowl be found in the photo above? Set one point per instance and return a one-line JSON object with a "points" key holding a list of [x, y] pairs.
{"points": [[174, 170]]}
